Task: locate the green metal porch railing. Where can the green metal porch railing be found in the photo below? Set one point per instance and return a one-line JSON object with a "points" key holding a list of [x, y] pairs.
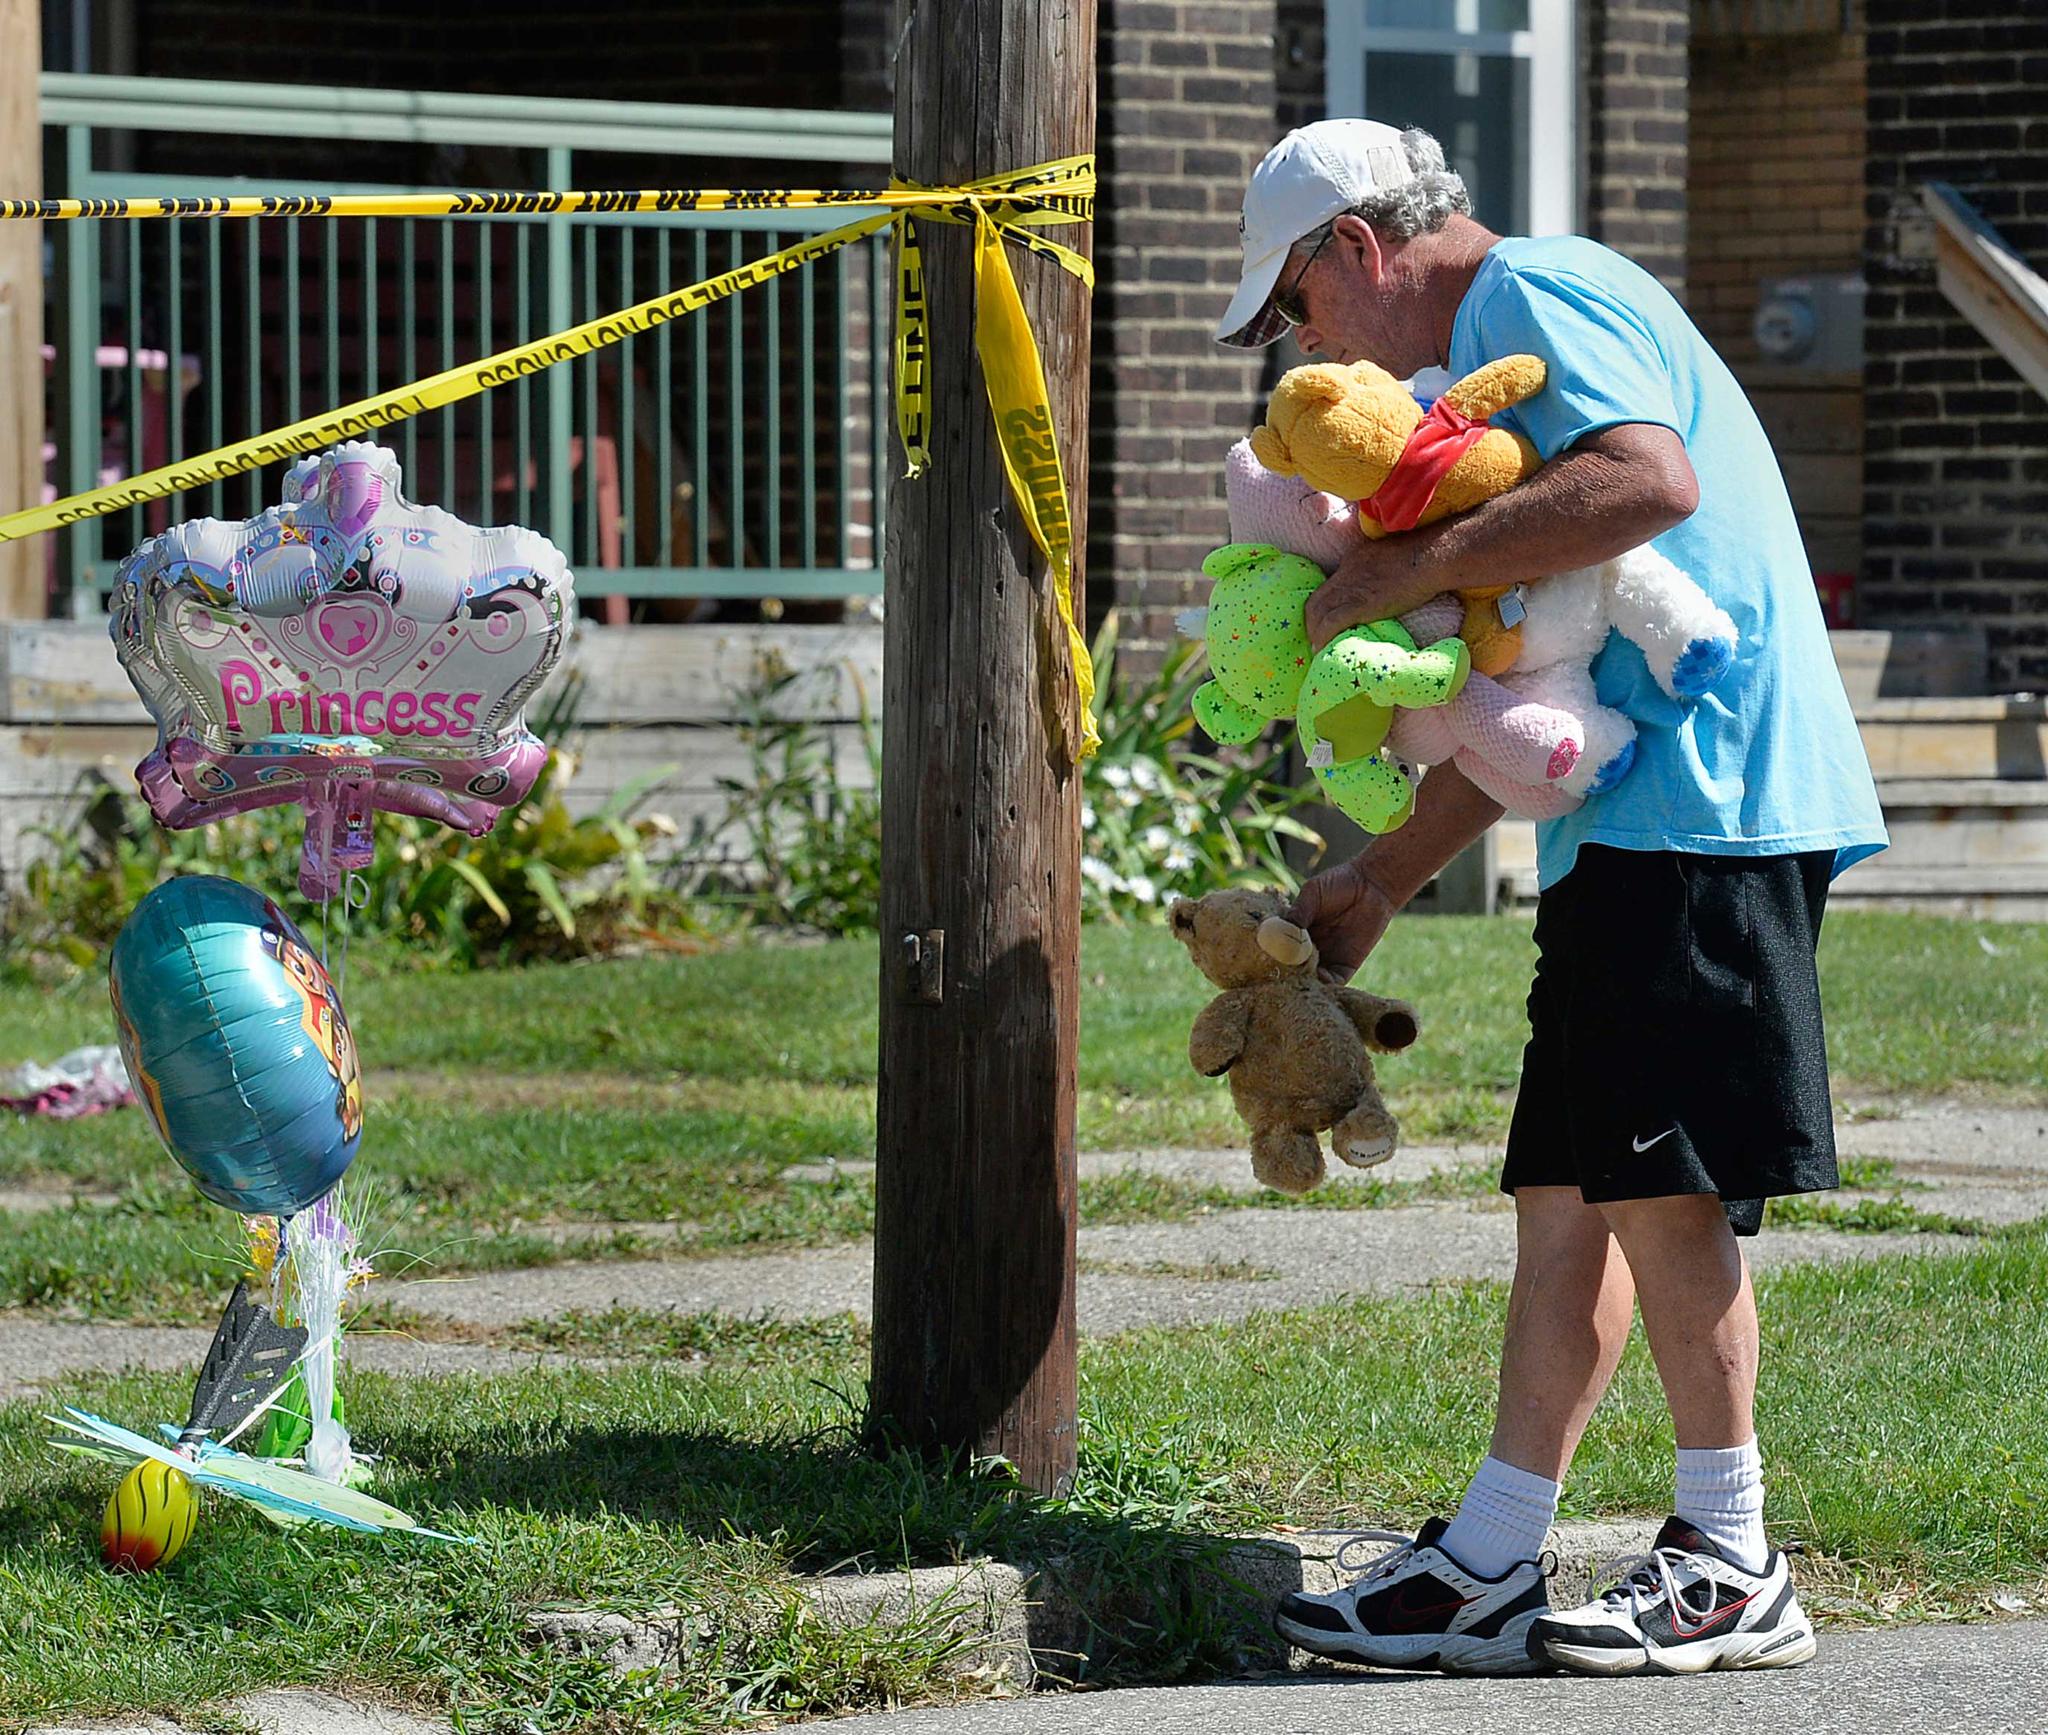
{"points": [[734, 454]]}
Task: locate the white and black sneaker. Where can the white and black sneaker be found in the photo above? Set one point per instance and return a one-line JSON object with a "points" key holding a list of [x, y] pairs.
{"points": [[1417, 1608], [1681, 1608]]}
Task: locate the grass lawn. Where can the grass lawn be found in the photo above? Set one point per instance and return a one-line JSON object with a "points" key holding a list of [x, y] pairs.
{"points": [[1908, 1399], [615, 1097]]}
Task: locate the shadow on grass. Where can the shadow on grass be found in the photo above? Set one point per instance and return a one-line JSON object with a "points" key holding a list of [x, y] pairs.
{"points": [[1133, 1583]]}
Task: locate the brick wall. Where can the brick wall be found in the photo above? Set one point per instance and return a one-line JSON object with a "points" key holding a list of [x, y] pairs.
{"points": [[1774, 189], [867, 46], [1632, 120], [775, 53], [1299, 59], [785, 53], [1185, 111], [1956, 464]]}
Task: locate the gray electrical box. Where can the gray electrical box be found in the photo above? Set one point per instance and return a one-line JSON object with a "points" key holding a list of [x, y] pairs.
{"points": [[1813, 322]]}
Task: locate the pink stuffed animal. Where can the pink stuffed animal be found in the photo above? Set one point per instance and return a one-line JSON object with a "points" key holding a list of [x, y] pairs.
{"points": [[1522, 751]]}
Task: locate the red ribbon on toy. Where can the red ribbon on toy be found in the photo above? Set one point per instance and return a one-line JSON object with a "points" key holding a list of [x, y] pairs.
{"points": [[1441, 438]]}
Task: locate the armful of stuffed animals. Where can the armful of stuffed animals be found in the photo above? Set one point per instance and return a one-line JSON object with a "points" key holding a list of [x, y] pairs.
{"points": [[1613, 491], [1218, 1037]]}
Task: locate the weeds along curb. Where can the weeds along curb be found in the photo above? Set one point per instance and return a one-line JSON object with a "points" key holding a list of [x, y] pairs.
{"points": [[1062, 1621]]}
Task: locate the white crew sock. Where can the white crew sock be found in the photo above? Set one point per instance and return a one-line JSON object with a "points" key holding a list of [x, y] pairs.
{"points": [[1502, 1520], [1721, 1495]]}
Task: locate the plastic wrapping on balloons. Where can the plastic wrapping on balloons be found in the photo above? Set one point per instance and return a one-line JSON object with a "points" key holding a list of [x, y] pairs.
{"points": [[347, 650]]}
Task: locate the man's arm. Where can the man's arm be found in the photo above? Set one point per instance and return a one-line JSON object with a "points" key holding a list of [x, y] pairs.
{"points": [[1347, 908], [1611, 492]]}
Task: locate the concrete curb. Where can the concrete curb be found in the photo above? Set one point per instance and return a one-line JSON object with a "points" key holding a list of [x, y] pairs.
{"points": [[279, 1711], [1029, 1626]]}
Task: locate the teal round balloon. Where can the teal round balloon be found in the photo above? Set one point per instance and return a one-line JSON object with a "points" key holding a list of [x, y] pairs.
{"points": [[237, 1045]]}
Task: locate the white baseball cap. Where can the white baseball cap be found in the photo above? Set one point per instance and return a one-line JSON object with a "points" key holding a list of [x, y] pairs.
{"points": [[1315, 173]]}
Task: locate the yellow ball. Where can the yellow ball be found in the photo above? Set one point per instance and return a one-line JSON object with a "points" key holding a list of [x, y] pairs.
{"points": [[148, 1518]]}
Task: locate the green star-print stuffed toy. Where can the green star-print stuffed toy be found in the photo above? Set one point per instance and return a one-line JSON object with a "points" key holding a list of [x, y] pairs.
{"points": [[1341, 699], [1258, 639], [1346, 708]]}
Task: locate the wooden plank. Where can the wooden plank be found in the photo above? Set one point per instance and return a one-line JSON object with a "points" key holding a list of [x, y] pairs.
{"points": [[1990, 284], [1875, 877], [1967, 837], [1991, 708], [66, 671], [52, 760], [1926, 663], [2008, 893], [975, 1177], [41, 760], [677, 674], [1945, 835], [23, 565], [2012, 795], [2016, 747]]}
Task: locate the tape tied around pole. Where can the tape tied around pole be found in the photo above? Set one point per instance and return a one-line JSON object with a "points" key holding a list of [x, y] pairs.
{"points": [[1011, 207]]}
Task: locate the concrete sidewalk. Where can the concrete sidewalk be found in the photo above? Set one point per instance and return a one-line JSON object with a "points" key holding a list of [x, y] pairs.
{"points": [[1961, 1680], [1987, 1164]]}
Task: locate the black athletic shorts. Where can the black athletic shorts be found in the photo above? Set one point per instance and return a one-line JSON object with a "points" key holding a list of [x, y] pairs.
{"points": [[1675, 1038]]}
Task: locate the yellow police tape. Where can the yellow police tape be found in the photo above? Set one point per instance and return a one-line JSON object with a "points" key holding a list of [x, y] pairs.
{"points": [[1067, 183], [1000, 207]]}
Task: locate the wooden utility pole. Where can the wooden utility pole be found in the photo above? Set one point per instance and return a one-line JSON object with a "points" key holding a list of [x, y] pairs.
{"points": [[981, 804], [21, 307]]}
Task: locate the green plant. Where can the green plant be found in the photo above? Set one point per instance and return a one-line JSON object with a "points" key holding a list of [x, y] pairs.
{"points": [[1160, 819], [542, 883], [84, 877], [795, 845]]}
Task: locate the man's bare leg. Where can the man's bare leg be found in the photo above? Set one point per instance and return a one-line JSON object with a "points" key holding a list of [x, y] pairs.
{"points": [[1568, 1321], [1699, 1312], [1714, 1595]]}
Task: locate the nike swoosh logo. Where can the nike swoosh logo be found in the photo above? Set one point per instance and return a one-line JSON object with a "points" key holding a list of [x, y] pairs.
{"points": [[1645, 1144], [1717, 1618], [1403, 1616]]}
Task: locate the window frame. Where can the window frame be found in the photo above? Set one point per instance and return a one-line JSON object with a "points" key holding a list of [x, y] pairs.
{"points": [[1549, 45]]}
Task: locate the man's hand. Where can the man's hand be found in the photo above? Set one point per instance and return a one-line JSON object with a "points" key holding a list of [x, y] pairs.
{"points": [[1347, 908], [1376, 581], [1345, 914]]}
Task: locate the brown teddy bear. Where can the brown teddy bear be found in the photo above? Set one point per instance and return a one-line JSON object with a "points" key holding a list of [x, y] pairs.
{"points": [[1349, 430], [1295, 1048]]}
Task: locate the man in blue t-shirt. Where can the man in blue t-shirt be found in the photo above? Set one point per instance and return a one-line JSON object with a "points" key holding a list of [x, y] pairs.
{"points": [[1675, 1076]]}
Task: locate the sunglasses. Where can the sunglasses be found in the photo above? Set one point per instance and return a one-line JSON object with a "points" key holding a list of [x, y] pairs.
{"points": [[1287, 302]]}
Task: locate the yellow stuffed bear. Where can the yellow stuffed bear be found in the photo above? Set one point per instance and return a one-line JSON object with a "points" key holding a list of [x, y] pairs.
{"points": [[1354, 431]]}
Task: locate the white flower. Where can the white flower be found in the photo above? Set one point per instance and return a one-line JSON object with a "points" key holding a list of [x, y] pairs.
{"points": [[1087, 816], [1116, 776], [1157, 838], [1177, 861], [1100, 874], [1145, 775], [1142, 889], [1127, 798]]}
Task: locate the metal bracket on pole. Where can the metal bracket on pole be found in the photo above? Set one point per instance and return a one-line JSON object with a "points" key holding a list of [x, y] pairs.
{"points": [[922, 976]]}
